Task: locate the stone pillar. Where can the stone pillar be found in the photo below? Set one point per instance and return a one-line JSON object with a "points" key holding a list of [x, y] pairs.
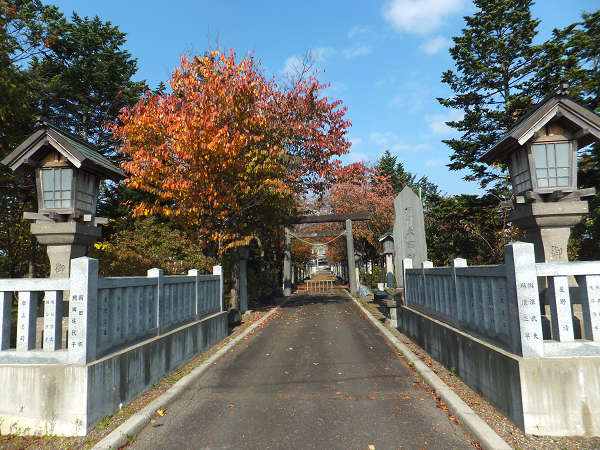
{"points": [[524, 304], [218, 270], [160, 308], [244, 252], [352, 280], [287, 264], [83, 310]]}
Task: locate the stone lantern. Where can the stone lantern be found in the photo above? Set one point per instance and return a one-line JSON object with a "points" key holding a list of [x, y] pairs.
{"points": [[387, 243], [541, 154], [68, 171]]}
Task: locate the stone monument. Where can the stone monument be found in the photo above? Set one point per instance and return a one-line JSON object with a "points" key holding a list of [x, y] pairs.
{"points": [[409, 232]]}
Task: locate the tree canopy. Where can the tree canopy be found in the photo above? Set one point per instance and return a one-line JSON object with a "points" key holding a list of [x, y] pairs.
{"points": [[230, 152]]}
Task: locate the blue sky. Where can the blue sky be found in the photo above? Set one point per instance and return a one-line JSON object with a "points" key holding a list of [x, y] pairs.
{"points": [[384, 59]]}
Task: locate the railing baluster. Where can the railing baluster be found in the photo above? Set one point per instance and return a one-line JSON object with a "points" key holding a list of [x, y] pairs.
{"points": [[53, 308], [589, 287], [560, 305], [26, 321]]}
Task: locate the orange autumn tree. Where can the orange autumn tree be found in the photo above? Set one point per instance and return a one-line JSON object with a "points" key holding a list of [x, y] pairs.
{"points": [[229, 152]]}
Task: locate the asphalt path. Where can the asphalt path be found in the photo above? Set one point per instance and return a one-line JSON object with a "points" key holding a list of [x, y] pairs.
{"points": [[316, 376]]}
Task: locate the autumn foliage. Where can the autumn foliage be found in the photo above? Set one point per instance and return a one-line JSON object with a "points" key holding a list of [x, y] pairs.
{"points": [[359, 188], [229, 151]]}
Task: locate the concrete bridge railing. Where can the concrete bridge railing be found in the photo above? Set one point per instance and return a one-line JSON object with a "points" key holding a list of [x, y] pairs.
{"points": [[104, 313], [501, 303], [123, 335], [511, 332]]}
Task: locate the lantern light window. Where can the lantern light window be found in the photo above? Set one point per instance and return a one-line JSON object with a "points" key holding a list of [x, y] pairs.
{"points": [[552, 168], [56, 187], [520, 172]]}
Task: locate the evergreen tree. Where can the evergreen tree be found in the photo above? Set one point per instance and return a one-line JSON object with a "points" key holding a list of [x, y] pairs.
{"points": [[398, 177], [493, 85], [86, 79]]}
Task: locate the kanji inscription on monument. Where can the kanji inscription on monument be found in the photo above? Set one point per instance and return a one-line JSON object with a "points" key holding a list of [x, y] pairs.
{"points": [[409, 232]]}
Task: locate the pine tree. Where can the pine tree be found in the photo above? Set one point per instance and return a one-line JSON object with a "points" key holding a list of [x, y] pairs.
{"points": [[398, 177], [86, 79], [493, 82]]}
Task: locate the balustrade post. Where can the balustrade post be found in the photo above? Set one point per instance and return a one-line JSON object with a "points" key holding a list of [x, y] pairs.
{"points": [[194, 273], [457, 310], [160, 313], [83, 310], [218, 270], [524, 302], [427, 297], [407, 264]]}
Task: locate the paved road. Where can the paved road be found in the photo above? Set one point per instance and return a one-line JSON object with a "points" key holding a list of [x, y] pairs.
{"points": [[317, 376]]}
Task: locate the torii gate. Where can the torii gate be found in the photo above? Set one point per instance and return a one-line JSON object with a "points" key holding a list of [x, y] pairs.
{"points": [[325, 218]]}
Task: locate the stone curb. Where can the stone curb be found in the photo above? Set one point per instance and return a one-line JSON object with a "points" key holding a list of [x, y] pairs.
{"points": [[475, 425], [121, 435]]}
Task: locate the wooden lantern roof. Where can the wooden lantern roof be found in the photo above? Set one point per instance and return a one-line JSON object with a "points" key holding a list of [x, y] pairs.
{"points": [[582, 122], [77, 151]]}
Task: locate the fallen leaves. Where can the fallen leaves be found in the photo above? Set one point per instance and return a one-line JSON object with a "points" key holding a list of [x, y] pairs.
{"points": [[161, 412], [315, 364]]}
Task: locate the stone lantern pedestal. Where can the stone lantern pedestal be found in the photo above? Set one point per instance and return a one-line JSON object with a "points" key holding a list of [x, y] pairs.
{"points": [[64, 241], [547, 225]]}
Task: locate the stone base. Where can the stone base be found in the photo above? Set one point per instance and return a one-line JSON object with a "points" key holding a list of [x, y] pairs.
{"points": [[69, 400], [557, 396], [65, 241], [547, 225]]}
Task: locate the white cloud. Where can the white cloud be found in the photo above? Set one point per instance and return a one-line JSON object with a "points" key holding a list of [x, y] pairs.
{"points": [[320, 54], [434, 45], [359, 31], [356, 141], [391, 141], [420, 16], [292, 65], [357, 50], [435, 162], [411, 96], [354, 157], [437, 122]]}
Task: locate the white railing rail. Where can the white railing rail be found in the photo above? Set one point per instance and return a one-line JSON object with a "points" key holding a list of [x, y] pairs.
{"points": [[104, 313], [501, 303]]}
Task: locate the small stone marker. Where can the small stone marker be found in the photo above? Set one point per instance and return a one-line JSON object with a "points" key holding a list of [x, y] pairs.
{"points": [[409, 232]]}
